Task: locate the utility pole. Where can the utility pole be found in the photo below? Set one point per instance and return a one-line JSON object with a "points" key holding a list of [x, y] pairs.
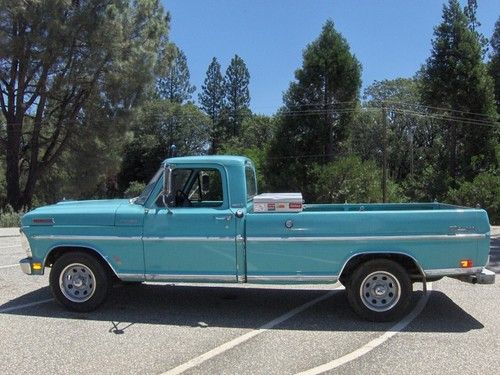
{"points": [[384, 154]]}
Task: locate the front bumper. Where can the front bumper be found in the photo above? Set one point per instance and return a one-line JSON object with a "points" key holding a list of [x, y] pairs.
{"points": [[27, 267], [484, 276]]}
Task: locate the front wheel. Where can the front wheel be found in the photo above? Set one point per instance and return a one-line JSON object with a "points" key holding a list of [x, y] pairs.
{"points": [[380, 290], [79, 281]]}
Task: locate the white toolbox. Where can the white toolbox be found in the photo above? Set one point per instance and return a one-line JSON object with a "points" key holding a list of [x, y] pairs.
{"points": [[278, 202]]}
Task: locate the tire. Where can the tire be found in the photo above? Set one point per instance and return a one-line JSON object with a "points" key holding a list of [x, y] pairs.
{"points": [[79, 281], [379, 290]]}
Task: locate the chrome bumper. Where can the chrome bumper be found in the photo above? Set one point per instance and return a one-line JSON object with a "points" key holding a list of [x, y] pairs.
{"points": [[484, 276], [25, 265]]}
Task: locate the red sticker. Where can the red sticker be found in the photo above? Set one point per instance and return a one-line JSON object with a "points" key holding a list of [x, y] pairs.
{"points": [[295, 206], [271, 207]]}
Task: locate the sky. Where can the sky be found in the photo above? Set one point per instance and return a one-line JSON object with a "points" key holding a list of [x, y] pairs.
{"points": [[391, 38]]}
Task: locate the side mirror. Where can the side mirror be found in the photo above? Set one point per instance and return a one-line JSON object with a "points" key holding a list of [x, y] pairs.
{"points": [[205, 183]]}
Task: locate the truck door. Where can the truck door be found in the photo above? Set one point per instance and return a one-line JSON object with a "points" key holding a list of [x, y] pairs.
{"points": [[194, 238]]}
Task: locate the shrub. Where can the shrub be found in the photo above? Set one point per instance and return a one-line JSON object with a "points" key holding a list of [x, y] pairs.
{"points": [[9, 218], [353, 180], [134, 189], [484, 191]]}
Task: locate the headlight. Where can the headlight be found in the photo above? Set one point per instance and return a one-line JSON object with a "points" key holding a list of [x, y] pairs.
{"points": [[25, 244]]}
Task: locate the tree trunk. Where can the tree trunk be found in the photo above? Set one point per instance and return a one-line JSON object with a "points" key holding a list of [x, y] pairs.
{"points": [[14, 131]]}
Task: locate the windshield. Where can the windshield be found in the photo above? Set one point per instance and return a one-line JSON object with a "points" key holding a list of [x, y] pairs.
{"points": [[141, 199]]}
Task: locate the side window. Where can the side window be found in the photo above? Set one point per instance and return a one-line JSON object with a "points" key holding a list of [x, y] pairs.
{"points": [[192, 187], [250, 182], [179, 178], [206, 189]]}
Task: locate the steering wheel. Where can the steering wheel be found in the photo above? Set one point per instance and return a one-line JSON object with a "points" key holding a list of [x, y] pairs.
{"points": [[182, 199]]}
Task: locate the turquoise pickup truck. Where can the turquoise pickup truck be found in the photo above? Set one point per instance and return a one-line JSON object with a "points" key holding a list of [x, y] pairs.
{"points": [[195, 222]]}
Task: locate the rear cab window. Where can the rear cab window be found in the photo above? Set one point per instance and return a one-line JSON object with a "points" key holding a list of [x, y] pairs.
{"points": [[251, 182]]}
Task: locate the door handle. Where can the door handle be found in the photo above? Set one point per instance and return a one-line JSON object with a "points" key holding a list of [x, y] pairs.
{"points": [[223, 218]]}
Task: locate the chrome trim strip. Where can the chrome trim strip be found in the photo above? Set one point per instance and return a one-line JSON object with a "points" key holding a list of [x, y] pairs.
{"points": [[85, 238], [192, 239], [371, 238], [295, 278], [117, 238], [453, 271], [175, 277], [130, 276]]}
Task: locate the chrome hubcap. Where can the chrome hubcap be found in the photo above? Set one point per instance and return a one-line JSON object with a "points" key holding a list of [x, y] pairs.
{"points": [[77, 282], [380, 291]]}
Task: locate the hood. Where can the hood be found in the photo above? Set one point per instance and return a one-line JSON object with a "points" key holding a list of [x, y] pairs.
{"points": [[91, 212]]}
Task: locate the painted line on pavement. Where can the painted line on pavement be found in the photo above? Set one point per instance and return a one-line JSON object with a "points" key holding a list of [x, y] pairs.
{"points": [[395, 329], [9, 247], [18, 307], [241, 339], [10, 266]]}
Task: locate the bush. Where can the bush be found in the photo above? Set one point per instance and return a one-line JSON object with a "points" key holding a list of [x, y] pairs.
{"points": [[352, 180], [9, 218], [484, 191], [134, 189]]}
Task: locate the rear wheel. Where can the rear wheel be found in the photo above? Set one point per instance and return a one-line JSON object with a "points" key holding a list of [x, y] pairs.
{"points": [[79, 281], [379, 290]]}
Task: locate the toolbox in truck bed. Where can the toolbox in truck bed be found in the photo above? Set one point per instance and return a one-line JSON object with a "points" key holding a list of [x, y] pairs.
{"points": [[278, 202]]}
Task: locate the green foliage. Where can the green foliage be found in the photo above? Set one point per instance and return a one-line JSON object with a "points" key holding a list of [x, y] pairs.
{"points": [[175, 85], [78, 61], [134, 189], [10, 218], [257, 132], [159, 126], [350, 179], [484, 191], [237, 94], [494, 65], [318, 109], [455, 78]]}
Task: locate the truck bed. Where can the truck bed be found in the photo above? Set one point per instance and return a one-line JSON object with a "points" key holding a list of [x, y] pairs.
{"points": [[318, 241]]}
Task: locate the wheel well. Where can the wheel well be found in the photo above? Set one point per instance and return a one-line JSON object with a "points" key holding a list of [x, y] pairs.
{"points": [[57, 252], [407, 262]]}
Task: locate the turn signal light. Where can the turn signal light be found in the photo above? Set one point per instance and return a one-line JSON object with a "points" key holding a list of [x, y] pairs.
{"points": [[466, 263], [36, 266]]}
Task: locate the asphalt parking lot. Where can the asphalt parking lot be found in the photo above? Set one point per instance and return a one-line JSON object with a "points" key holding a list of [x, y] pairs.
{"points": [[165, 328]]}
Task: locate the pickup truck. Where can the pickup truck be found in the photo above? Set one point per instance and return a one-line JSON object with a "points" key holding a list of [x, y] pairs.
{"points": [[195, 222]]}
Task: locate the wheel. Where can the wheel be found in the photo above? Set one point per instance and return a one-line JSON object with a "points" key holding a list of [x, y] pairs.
{"points": [[79, 281], [379, 290]]}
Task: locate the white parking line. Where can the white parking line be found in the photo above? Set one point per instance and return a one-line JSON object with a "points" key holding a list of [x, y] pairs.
{"points": [[18, 307], [10, 266], [398, 327], [238, 340], [9, 247]]}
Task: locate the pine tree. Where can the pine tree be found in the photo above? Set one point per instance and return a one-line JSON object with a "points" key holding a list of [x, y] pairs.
{"points": [[62, 65], [455, 78], [237, 93], [175, 86], [211, 101], [494, 65], [318, 109]]}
